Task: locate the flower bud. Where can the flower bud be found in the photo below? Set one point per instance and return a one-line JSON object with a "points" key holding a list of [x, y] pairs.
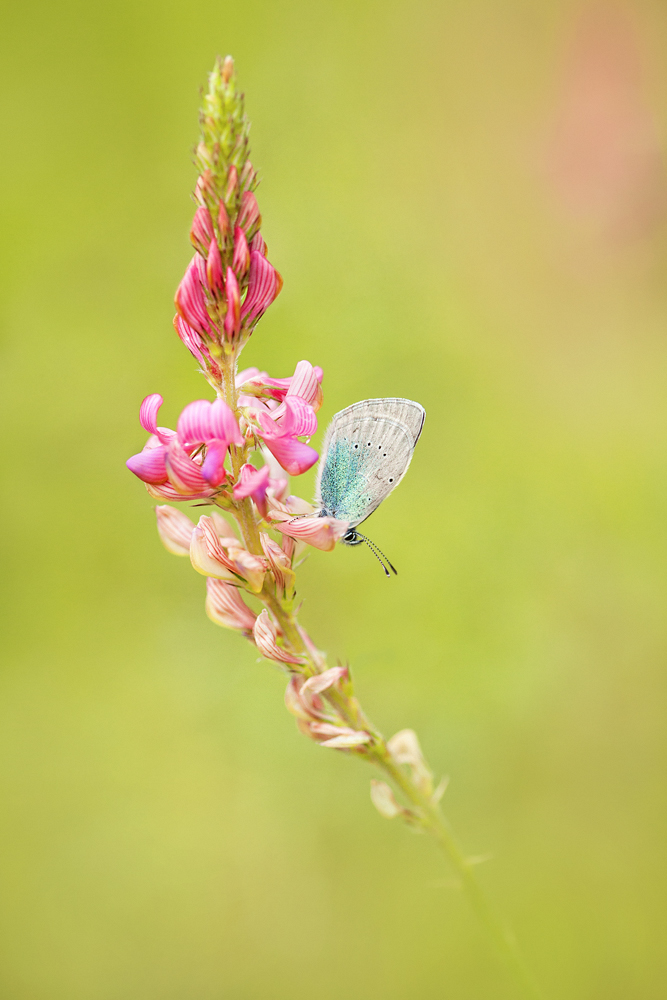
{"points": [[280, 565], [241, 261], [190, 301], [201, 232], [266, 635], [226, 607], [383, 799], [224, 558], [175, 530], [233, 317], [223, 221], [404, 748], [214, 277], [232, 184], [249, 217]]}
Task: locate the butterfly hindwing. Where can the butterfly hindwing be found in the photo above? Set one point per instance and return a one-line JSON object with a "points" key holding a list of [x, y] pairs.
{"points": [[367, 451]]}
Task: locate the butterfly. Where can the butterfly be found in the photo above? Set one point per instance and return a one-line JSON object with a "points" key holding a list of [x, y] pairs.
{"points": [[366, 452]]}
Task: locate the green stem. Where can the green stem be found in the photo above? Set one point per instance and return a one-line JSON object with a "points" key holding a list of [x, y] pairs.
{"points": [[500, 936]]}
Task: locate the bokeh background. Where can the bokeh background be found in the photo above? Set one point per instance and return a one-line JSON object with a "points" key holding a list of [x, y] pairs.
{"points": [[468, 203]]}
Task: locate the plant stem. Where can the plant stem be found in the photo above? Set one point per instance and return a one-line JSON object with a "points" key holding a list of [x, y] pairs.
{"points": [[349, 710]]}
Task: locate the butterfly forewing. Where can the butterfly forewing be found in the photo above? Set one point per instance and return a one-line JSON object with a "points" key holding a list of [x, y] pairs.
{"points": [[406, 411], [366, 454]]}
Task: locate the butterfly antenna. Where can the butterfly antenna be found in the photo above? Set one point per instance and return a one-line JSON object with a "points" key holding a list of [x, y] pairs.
{"points": [[377, 553]]}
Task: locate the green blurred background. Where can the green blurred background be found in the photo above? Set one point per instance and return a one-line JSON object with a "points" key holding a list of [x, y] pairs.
{"points": [[467, 203]]}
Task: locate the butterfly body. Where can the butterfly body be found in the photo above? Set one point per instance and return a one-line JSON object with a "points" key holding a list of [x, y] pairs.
{"points": [[366, 452]]}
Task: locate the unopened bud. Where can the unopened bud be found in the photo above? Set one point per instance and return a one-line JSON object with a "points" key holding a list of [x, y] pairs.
{"points": [[248, 175], [241, 261], [175, 530], [223, 221], [233, 317], [232, 183], [227, 69], [404, 748], [214, 276], [249, 217], [201, 232], [384, 800]]}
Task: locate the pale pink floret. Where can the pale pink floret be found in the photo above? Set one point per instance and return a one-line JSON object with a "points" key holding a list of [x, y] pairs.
{"points": [[253, 483], [195, 344], [224, 557], [266, 636], [249, 215], [190, 301], [175, 530], [202, 227], [280, 564], [315, 718], [320, 532], [226, 607]]}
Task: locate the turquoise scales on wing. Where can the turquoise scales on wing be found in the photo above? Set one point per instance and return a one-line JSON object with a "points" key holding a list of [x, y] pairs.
{"points": [[367, 451]]}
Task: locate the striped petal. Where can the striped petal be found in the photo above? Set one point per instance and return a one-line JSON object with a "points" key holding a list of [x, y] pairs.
{"points": [[223, 423], [264, 283], [149, 465], [175, 530], [294, 456], [184, 474], [226, 607], [299, 418], [148, 412], [320, 532], [266, 635], [213, 466], [190, 301], [305, 383], [194, 423]]}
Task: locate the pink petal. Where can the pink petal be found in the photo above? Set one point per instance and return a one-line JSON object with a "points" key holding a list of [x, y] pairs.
{"points": [[249, 215], [241, 261], [184, 474], [175, 530], [166, 492], [319, 374], [257, 243], [233, 317], [190, 301], [191, 339], [321, 682], [224, 426], [202, 227], [321, 532], [148, 412], [150, 465], [304, 383], [213, 466], [299, 418], [194, 423], [294, 456], [225, 606], [265, 633], [264, 283], [214, 275], [253, 483]]}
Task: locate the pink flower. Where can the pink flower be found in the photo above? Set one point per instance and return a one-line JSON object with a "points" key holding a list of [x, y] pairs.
{"points": [[266, 637], [203, 427], [253, 483], [223, 556], [190, 301], [195, 345], [264, 284], [280, 437], [226, 607], [305, 383], [320, 532]]}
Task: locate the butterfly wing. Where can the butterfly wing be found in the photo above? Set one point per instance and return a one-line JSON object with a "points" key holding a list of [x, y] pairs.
{"points": [[406, 411], [366, 453]]}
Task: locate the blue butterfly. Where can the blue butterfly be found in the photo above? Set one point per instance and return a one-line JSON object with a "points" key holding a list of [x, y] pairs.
{"points": [[366, 452]]}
